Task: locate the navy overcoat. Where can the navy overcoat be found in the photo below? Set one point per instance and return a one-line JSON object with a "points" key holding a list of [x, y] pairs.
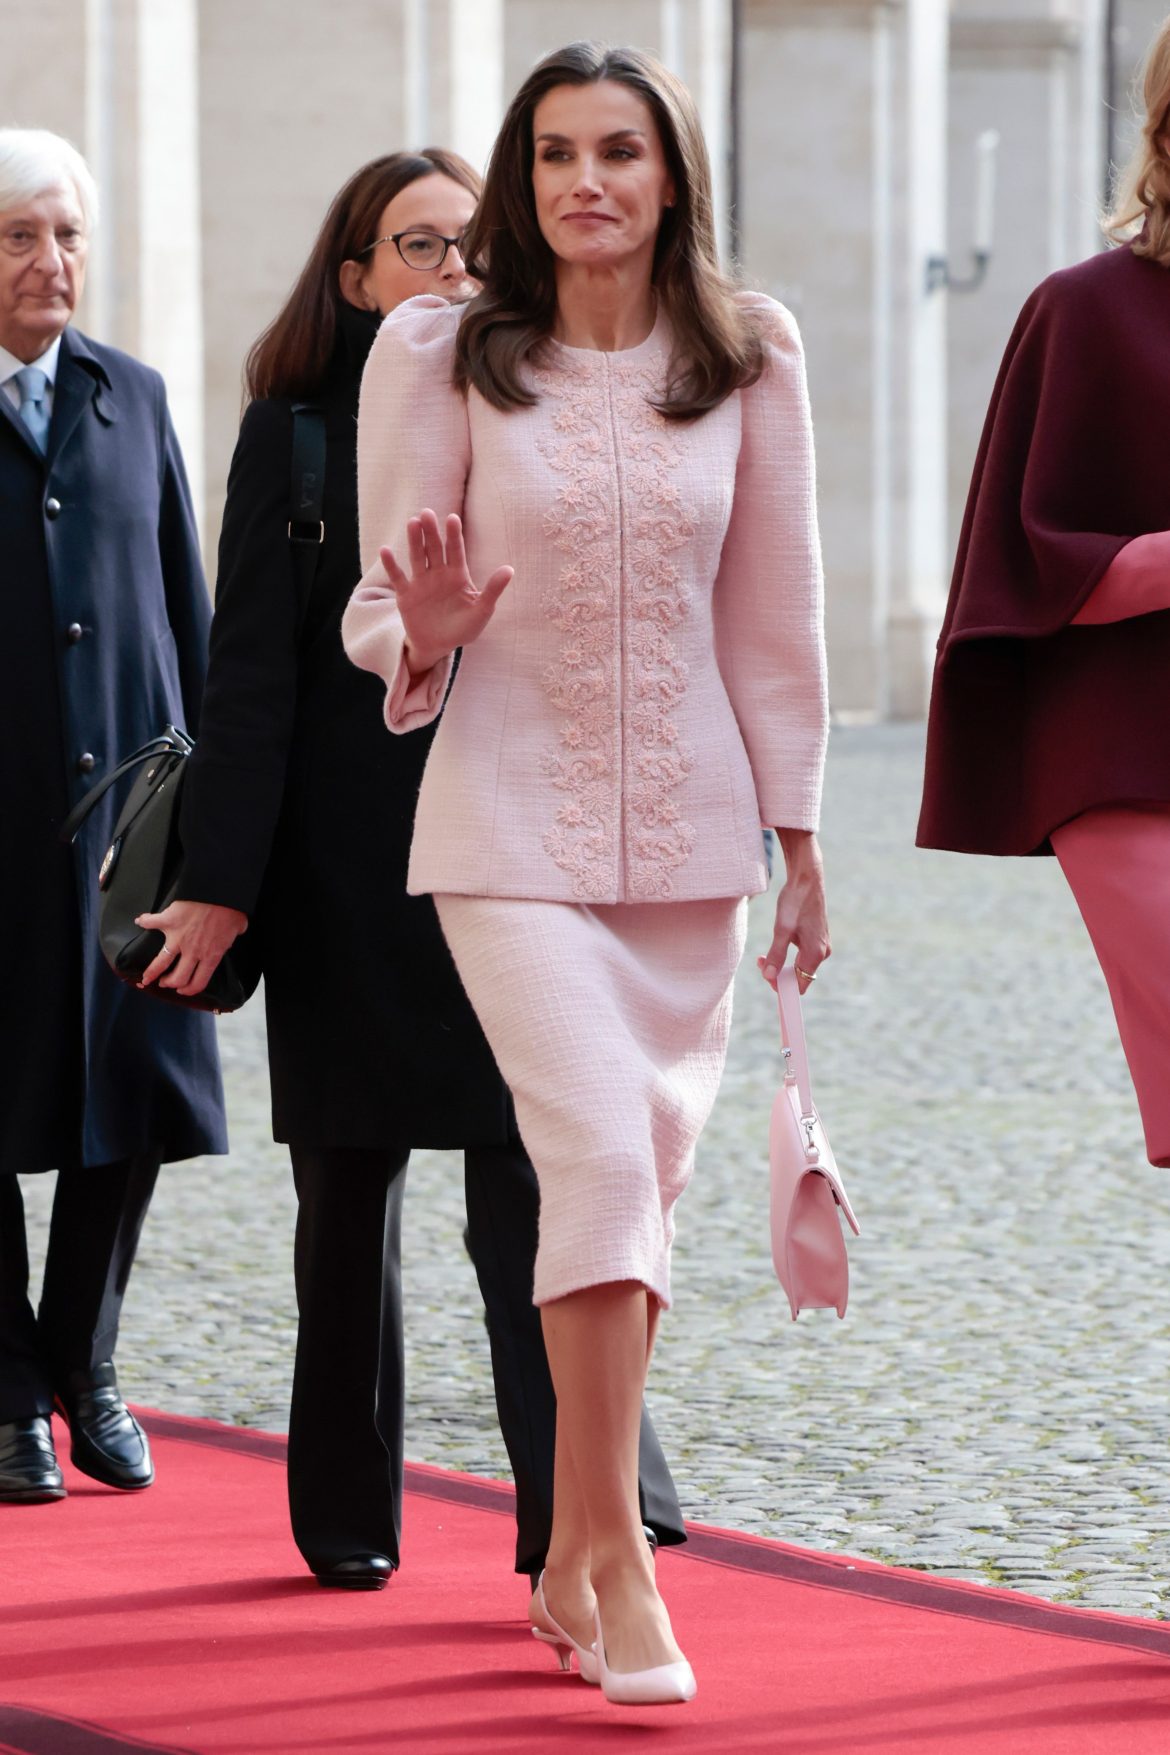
{"points": [[103, 634]]}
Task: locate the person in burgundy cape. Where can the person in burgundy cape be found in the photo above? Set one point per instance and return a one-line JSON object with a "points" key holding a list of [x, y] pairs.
{"points": [[1048, 730]]}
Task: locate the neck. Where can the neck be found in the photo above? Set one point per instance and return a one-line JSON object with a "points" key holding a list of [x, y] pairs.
{"points": [[610, 309]]}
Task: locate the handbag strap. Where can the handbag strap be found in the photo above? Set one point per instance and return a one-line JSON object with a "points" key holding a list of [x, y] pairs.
{"points": [[172, 741], [792, 1036], [306, 504]]}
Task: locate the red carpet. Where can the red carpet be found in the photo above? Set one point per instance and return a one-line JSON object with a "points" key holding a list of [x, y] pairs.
{"points": [[180, 1619]]}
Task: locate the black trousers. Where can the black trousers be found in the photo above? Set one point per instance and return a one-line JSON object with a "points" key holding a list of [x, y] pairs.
{"points": [[345, 1440], [93, 1237]]}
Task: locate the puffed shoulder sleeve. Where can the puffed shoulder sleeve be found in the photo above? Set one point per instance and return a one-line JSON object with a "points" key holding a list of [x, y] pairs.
{"points": [[413, 452], [769, 593]]}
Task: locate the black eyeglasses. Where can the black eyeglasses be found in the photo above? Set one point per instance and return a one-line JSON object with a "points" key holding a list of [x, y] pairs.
{"points": [[420, 249]]}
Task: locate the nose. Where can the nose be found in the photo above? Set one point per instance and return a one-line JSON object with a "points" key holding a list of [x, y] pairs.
{"points": [[47, 257], [588, 183], [454, 267]]}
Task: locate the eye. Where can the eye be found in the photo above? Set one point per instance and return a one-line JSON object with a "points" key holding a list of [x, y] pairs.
{"points": [[621, 152], [419, 244], [71, 238], [552, 154]]}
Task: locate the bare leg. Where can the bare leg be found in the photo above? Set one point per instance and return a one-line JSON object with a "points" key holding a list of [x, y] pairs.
{"points": [[568, 1592], [598, 1344]]}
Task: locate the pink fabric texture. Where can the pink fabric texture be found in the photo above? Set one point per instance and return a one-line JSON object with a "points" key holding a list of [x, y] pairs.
{"points": [[652, 685], [1117, 862], [1137, 582], [610, 1025]]}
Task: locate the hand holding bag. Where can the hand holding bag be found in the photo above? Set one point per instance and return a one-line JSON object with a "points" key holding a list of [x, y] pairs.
{"points": [[140, 875], [808, 1247], [142, 867]]}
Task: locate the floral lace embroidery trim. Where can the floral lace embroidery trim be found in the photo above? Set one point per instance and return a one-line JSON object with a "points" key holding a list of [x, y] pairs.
{"points": [[586, 685]]}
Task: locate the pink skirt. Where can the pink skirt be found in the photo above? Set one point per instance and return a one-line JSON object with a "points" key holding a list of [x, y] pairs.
{"points": [[1117, 862], [610, 1025]]}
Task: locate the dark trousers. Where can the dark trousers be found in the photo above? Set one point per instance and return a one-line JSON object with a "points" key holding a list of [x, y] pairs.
{"points": [[345, 1440], [93, 1237]]}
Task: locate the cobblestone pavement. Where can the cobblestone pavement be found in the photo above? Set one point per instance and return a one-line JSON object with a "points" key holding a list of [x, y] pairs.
{"points": [[995, 1405]]}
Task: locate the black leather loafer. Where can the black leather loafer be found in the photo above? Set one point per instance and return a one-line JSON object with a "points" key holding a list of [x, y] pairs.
{"points": [[359, 1572], [28, 1463], [106, 1441]]}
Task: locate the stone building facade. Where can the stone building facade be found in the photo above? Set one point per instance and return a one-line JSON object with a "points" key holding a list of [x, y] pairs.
{"points": [[844, 131]]}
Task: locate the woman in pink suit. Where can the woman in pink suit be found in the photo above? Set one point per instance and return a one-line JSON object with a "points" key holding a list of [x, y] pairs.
{"points": [[625, 440], [1048, 729]]}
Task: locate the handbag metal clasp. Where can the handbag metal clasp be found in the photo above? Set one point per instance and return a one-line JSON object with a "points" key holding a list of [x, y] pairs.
{"points": [[788, 1073], [809, 1122]]}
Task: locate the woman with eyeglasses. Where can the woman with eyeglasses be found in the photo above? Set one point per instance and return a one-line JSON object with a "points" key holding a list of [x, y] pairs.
{"points": [[297, 821]]}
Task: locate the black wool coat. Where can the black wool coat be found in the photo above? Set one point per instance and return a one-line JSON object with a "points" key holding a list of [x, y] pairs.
{"points": [[103, 636], [298, 809]]}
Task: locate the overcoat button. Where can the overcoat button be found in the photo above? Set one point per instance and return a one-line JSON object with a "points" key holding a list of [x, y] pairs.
{"points": [[86, 763], [52, 508], [74, 632]]}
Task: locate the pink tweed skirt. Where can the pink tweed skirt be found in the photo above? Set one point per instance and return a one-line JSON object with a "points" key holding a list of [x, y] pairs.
{"points": [[1117, 862], [610, 1025]]}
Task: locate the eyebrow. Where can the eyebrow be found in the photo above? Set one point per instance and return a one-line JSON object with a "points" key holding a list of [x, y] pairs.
{"points": [[606, 139]]}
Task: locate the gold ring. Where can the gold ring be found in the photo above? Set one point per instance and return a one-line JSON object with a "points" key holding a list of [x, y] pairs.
{"points": [[808, 975]]}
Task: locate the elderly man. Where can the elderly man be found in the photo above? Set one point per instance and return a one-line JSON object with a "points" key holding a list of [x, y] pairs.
{"points": [[103, 627]]}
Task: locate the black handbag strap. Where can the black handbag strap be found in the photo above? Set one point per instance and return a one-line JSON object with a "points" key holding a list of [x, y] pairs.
{"points": [[306, 506], [170, 742]]}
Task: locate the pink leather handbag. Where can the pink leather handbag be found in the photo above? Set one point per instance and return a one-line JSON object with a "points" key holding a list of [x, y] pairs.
{"points": [[808, 1247]]}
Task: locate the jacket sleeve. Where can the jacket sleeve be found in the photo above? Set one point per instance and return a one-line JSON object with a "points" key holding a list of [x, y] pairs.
{"points": [[188, 605], [235, 779], [769, 591], [414, 452], [1136, 582]]}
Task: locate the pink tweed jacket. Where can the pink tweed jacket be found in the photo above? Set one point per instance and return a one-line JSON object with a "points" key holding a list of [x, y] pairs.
{"points": [[651, 688]]}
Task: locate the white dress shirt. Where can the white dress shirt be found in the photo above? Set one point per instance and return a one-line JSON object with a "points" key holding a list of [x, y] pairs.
{"points": [[10, 365]]}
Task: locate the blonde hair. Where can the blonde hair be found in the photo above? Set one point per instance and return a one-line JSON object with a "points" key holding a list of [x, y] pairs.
{"points": [[1140, 209]]}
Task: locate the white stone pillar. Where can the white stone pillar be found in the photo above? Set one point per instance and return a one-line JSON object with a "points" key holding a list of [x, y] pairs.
{"points": [[1036, 75], [169, 217], [920, 567], [814, 245], [459, 72]]}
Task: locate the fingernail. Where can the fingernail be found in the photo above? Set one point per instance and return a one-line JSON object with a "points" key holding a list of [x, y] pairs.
{"points": [[770, 972]]}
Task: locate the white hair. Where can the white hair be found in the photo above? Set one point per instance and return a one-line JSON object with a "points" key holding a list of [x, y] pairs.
{"points": [[33, 162]]}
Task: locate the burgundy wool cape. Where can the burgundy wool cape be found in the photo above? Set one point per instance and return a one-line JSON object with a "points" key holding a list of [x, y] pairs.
{"points": [[1033, 721]]}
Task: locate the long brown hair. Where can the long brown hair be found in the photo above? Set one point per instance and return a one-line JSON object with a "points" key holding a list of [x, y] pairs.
{"points": [[717, 348], [1141, 199], [291, 356]]}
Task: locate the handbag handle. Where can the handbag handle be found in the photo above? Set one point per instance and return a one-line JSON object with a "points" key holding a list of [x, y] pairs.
{"points": [[170, 740], [792, 1036]]}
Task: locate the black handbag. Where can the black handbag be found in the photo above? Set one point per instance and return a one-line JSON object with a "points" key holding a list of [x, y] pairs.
{"points": [[140, 871]]}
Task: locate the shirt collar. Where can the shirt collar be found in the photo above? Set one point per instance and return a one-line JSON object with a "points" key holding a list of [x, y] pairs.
{"points": [[46, 364]]}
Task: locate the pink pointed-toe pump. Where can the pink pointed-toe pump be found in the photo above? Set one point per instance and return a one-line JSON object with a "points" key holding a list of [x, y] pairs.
{"points": [[552, 1633]]}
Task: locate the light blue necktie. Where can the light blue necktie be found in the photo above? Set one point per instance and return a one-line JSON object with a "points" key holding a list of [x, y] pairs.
{"points": [[32, 384]]}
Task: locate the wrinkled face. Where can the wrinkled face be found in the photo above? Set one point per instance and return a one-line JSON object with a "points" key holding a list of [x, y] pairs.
{"points": [[43, 248], [599, 174], [381, 279]]}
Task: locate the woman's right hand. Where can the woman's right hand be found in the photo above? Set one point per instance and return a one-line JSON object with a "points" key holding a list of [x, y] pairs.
{"points": [[440, 605]]}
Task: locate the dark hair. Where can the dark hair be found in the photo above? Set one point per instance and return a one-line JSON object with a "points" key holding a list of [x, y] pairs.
{"points": [[291, 356], [717, 347]]}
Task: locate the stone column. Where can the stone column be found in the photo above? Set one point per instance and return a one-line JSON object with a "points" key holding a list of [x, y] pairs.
{"points": [[453, 74], [844, 109], [920, 561], [1036, 74]]}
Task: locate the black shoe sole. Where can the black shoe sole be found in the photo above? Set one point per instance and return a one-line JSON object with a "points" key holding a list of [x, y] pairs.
{"points": [[351, 1583], [31, 1495]]}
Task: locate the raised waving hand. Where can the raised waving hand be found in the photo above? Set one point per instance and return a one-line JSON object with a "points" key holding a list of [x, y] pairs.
{"points": [[440, 604]]}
